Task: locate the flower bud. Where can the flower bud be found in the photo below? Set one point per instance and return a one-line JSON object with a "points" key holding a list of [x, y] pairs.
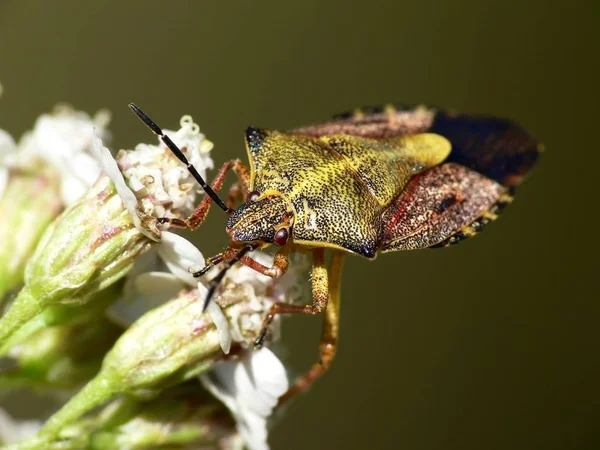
{"points": [[185, 416], [89, 246], [50, 168], [166, 346], [96, 240], [30, 202], [66, 315], [60, 357]]}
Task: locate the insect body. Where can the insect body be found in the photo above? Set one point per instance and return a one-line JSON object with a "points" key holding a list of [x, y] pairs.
{"points": [[372, 181], [331, 191]]}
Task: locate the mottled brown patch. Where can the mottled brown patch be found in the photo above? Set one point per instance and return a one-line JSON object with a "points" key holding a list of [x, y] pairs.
{"points": [[489, 215], [422, 216], [387, 122]]}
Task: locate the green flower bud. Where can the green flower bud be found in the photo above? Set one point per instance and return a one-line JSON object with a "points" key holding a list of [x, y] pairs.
{"points": [[89, 246], [49, 169], [168, 345], [29, 203], [66, 315], [61, 357], [183, 417]]}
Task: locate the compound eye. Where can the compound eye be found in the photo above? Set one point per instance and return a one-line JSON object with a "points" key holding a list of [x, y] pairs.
{"points": [[252, 196], [281, 237]]}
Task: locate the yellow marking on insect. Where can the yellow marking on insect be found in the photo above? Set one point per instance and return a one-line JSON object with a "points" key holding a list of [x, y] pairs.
{"points": [[310, 216], [489, 215], [506, 198], [384, 166], [358, 113], [468, 231], [390, 110]]}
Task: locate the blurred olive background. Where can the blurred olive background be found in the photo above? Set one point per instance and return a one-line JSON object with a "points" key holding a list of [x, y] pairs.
{"points": [[489, 344]]}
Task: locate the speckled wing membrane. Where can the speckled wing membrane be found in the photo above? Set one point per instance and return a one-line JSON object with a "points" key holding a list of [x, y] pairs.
{"points": [[456, 199]]}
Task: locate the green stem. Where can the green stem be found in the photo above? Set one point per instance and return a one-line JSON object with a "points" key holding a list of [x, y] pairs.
{"points": [[29, 444], [28, 329], [25, 307], [96, 392], [3, 291]]}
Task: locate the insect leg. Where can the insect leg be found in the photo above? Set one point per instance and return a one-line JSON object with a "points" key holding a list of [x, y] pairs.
{"points": [[231, 256], [237, 193], [199, 214], [320, 297], [279, 267], [329, 337]]}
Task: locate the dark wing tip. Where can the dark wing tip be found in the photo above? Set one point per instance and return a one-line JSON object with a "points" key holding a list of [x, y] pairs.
{"points": [[497, 148]]}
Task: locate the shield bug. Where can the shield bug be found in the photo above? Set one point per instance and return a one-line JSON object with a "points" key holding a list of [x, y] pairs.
{"points": [[372, 181]]}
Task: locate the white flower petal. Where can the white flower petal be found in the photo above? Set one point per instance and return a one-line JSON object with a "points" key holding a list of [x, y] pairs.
{"points": [[7, 146], [13, 431], [148, 291], [221, 323], [109, 165], [179, 255], [78, 172], [62, 140], [267, 381], [7, 143], [72, 189], [63, 135], [147, 262], [250, 388], [254, 431], [3, 180]]}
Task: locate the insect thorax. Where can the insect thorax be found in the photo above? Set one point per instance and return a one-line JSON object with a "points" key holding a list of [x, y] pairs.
{"points": [[338, 185]]}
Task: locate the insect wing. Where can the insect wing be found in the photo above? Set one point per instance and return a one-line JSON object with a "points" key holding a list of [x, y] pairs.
{"points": [[496, 148], [436, 205], [448, 203]]}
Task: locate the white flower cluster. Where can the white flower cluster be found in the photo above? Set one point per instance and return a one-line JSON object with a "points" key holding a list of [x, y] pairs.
{"points": [[251, 386], [7, 147], [62, 140], [161, 183], [155, 179], [151, 182]]}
